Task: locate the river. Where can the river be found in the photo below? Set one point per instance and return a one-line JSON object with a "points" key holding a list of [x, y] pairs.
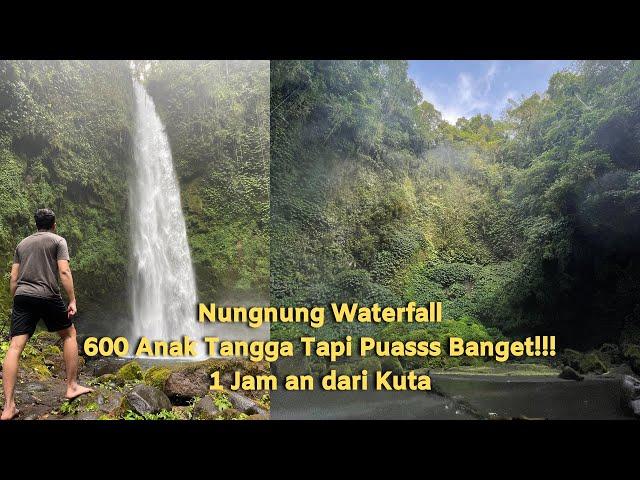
{"points": [[463, 397]]}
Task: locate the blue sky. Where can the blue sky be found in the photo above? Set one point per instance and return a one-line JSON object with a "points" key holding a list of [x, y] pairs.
{"points": [[463, 88]]}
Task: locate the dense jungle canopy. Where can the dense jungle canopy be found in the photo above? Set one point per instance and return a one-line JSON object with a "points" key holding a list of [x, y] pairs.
{"points": [[529, 223]]}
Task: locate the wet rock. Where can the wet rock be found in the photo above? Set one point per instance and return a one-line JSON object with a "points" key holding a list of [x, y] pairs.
{"points": [[630, 394], [611, 353], [592, 363], [258, 416], [206, 409], [229, 414], [108, 402], [146, 399], [227, 378], [569, 373], [182, 386], [102, 366], [34, 387], [584, 363], [245, 404], [109, 379], [87, 416]]}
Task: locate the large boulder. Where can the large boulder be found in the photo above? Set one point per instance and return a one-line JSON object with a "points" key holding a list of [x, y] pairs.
{"points": [[157, 376], [592, 363], [584, 362], [569, 373], [571, 358], [630, 394], [183, 385], [611, 353], [206, 409], [244, 404], [258, 416], [144, 399], [130, 373], [103, 365], [631, 354], [108, 401]]}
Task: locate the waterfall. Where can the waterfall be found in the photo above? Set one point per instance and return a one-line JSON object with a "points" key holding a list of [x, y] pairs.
{"points": [[163, 287]]}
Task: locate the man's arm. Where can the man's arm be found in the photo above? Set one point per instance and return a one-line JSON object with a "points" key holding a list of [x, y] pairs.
{"points": [[13, 280], [67, 283]]}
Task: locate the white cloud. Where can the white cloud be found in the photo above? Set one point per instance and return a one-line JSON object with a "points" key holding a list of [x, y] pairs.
{"points": [[469, 96]]}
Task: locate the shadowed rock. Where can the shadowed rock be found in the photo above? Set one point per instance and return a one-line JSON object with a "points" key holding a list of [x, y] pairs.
{"points": [[244, 404], [145, 399], [181, 386], [569, 373], [630, 394]]}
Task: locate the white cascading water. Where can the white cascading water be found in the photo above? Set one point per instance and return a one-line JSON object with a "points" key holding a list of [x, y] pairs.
{"points": [[163, 295]]}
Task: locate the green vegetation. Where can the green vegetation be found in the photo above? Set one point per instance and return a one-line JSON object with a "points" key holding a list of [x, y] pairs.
{"points": [[221, 401], [129, 373], [157, 376], [161, 415], [217, 119], [66, 131], [529, 224]]}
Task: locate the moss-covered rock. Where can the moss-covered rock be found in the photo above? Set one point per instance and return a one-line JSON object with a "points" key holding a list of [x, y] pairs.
{"points": [[631, 353], [391, 364], [610, 353], [35, 363], [46, 339], [108, 379], [157, 376], [130, 372], [206, 409], [231, 414], [592, 363]]}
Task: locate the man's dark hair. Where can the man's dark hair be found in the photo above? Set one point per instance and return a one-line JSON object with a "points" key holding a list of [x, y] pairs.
{"points": [[45, 218]]}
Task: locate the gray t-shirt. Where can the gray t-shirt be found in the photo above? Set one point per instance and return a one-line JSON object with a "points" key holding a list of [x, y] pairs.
{"points": [[38, 256]]}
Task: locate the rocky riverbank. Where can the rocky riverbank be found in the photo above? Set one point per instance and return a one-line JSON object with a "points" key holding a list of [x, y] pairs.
{"points": [[132, 390]]}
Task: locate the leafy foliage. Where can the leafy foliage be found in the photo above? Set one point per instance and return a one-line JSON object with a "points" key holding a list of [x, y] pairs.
{"points": [[216, 116], [65, 129], [527, 224]]}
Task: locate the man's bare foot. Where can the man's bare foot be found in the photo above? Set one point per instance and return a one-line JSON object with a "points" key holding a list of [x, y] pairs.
{"points": [[10, 412], [76, 391]]}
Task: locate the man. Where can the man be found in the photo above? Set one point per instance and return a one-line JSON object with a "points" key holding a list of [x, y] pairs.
{"points": [[39, 259]]}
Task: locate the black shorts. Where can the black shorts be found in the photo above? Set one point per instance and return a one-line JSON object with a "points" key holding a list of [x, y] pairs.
{"points": [[27, 311]]}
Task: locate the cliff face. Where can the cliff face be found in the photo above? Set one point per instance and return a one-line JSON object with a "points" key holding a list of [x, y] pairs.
{"points": [[216, 115], [65, 143]]}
